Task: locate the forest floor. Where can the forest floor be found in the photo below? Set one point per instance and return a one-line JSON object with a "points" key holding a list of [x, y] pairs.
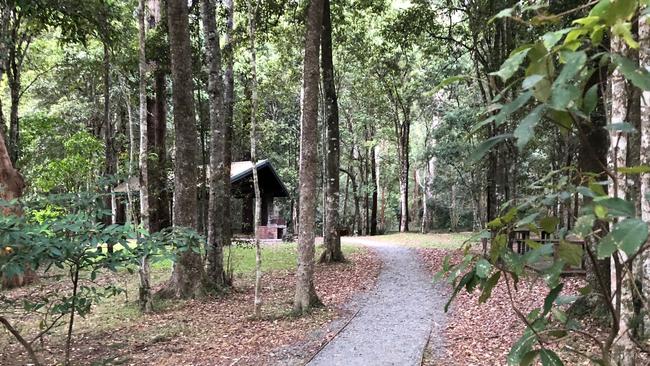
{"points": [[209, 331], [382, 307]]}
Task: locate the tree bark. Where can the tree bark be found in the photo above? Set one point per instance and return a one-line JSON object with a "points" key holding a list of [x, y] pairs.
{"points": [[428, 195], [229, 102], [305, 297], [218, 197], [257, 220], [402, 130], [373, 209], [644, 63], [188, 276], [332, 240], [623, 349], [110, 167], [144, 275]]}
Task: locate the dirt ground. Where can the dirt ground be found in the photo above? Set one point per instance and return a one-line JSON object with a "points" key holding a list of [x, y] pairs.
{"points": [[213, 331], [483, 334]]}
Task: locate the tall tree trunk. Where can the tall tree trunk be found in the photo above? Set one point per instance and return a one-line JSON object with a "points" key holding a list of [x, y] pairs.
{"points": [[218, 196], [373, 210], [145, 277], [225, 234], [332, 240], [157, 131], [592, 153], [133, 144], [402, 130], [188, 277], [159, 217], [14, 80], [5, 15], [110, 167], [257, 221], [428, 195], [306, 297], [453, 215], [623, 349], [403, 187], [644, 63]]}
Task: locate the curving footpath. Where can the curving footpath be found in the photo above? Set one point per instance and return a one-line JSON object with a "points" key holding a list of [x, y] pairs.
{"points": [[394, 325]]}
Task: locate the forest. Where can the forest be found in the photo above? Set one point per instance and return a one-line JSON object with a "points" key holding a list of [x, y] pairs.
{"points": [[325, 182]]}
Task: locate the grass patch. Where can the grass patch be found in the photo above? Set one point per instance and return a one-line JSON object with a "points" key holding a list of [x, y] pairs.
{"points": [[417, 240], [281, 256]]}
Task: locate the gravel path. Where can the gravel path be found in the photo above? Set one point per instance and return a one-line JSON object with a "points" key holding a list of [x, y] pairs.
{"points": [[393, 327]]}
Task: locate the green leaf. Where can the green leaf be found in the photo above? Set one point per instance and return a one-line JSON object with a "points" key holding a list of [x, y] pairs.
{"points": [[597, 188], [606, 247], [552, 274], [505, 13], [511, 65], [600, 211], [528, 219], [627, 235], [463, 281], [487, 145], [521, 347], [590, 99], [616, 206], [512, 107], [638, 76], [483, 268], [550, 298], [559, 315], [489, 285], [533, 256], [526, 129], [574, 62], [549, 358], [570, 253], [549, 223], [623, 30], [639, 169], [531, 81], [565, 300], [448, 81], [529, 358], [550, 39]]}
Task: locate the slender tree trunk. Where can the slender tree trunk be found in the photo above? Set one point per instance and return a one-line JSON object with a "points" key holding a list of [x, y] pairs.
{"points": [[229, 101], [14, 81], [623, 349], [133, 144], [5, 15], [110, 162], [428, 196], [157, 131], [218, 195], [332, 240], [453, 215], [592, 155], [145, 277], [188, 277], [644, 63], [257, 221], [159, 217], [305, 291], [403, 131], [373, 209]]}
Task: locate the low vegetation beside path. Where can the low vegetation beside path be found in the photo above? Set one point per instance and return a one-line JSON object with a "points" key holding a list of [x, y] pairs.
{"points": [[209, 331]]}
